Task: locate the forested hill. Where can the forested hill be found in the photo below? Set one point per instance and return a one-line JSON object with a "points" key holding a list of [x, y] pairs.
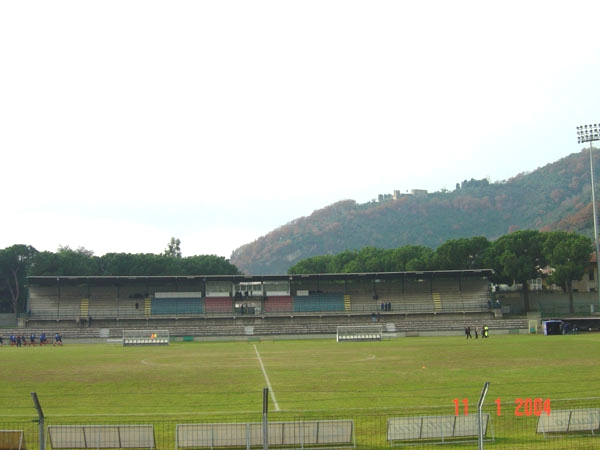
{"points": [[554, 197]]}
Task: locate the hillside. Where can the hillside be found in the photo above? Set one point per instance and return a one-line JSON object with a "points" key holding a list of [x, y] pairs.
{"points": [[554, 197]]}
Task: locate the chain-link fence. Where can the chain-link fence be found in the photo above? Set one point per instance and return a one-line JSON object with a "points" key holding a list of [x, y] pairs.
{"points": [[520, 423]]}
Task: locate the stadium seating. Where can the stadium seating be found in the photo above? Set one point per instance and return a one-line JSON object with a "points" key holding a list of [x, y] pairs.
{"points": [[278, 326], [319, 302], [279, 304], [177, 305], [218, 305], [120, 299]]}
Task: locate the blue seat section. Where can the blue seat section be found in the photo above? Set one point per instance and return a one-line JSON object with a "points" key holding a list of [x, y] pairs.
{"points": [[176, 305], [319, 301]]}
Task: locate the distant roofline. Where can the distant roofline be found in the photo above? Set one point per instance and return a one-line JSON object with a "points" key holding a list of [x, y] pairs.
{"points": [[49, 279]]}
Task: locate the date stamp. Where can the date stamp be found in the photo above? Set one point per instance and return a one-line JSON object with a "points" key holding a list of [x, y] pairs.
{"points": [[523, 407]]}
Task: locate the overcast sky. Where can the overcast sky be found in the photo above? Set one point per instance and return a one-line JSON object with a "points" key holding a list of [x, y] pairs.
{"points": [[124, 123]]}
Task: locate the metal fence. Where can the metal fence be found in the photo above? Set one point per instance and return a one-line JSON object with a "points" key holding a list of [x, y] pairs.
{"points": [[519, 423]]}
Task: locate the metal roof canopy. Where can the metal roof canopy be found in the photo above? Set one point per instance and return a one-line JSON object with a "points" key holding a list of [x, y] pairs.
{"points": [[416, 275]]}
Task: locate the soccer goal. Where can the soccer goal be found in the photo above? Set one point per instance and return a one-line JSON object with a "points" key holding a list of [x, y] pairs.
{"points": [[359, 333], [145, 337]]}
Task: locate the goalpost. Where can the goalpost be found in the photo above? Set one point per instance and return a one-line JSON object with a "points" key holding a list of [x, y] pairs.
{"points": [[359, 333], [145, 337]]}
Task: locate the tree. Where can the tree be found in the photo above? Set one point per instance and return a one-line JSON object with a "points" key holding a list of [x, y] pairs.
{"points": [[207, 265], [78, 262], [368, 259], [463, 253], [314, 264], [568, 255], [516, 258], [80, 250], [15, 263], [46, 264], [139, 264], [341, 261], [173, 249], [411, 257]]}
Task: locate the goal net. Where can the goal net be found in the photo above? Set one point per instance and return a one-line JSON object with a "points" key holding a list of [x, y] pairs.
{"points": [[359, 333], [145, 337]]}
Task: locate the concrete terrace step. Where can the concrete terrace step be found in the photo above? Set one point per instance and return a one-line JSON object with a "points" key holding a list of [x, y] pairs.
{"points": [[267, 329]]}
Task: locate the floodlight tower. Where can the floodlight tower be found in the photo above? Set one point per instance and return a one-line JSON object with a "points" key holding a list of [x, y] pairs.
{"points": [[591, 133]]}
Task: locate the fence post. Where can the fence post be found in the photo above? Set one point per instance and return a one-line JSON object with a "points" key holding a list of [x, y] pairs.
{"points": [[265, 418], [38, 408], [486, 385]]}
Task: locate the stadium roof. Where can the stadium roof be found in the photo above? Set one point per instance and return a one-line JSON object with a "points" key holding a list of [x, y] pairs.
{"points": [[48, 280]]}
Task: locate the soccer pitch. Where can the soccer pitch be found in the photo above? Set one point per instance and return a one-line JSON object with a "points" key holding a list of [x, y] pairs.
{"points": [[303, 375], [309, 378]]}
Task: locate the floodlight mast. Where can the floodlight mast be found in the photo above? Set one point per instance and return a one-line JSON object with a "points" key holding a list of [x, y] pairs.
{"points": [[591, 133]]}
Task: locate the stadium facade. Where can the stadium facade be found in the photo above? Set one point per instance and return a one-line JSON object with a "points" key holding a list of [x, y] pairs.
{"points": [[205, 306]]}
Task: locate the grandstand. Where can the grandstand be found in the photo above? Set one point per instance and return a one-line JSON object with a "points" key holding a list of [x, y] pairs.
{"points": [[238, 305]]}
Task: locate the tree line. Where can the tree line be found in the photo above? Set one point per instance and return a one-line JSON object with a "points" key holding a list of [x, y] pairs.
{"points": [[515, 258], [20, 261]]}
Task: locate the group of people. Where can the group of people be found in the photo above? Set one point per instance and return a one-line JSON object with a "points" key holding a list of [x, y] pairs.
{"points": [[386, 306], [484, 331], [20, 340]]}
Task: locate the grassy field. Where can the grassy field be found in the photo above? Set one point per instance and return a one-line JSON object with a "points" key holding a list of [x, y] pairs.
{"points": [[308, 378]]}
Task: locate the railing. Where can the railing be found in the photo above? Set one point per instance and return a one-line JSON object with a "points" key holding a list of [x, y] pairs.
{"points": [[395, 308]]}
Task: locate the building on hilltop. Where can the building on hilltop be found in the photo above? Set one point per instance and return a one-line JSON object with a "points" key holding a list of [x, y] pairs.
{"points": [[415, 192]]}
